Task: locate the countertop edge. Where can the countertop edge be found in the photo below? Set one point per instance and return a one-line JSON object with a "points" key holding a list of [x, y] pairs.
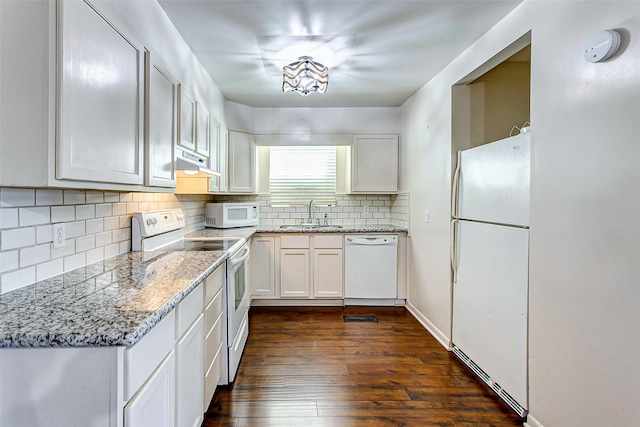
{"points": [[126, 339]]}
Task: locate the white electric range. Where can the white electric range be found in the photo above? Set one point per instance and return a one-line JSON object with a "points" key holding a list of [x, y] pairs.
{"points": [[164, 230]]}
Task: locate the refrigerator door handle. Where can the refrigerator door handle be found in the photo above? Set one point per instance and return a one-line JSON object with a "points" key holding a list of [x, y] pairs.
{"points": [[454, 188], [453, 250]]}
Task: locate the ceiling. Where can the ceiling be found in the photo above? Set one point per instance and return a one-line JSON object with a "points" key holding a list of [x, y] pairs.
{"points": [[379, 53]]}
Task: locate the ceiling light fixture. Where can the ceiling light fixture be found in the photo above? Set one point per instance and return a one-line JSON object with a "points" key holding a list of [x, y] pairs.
{"points": [[305, 76]]}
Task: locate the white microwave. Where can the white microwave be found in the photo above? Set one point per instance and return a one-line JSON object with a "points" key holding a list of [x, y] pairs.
{"points": [[227, 215]]}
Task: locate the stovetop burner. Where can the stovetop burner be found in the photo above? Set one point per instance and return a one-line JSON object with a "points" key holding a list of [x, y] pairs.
{"points": [[209, 245]]}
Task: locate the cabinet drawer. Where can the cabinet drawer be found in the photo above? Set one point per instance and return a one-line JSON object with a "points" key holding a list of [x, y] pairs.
{"points": [[327, 242], [294, 242], [187, 310], [214, 283], [213, 311], [143, 358], [212, 341], [212, 377]]}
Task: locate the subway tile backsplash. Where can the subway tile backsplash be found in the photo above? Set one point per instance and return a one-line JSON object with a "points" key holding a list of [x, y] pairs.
{"points": [[98, 224]]}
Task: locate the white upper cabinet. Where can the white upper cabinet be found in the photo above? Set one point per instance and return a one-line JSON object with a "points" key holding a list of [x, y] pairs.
{"points": [[160, 124], [242, 162], [374, 163], [214, 144], [100, 102], [203, 130], [187, 121], [223, 160]]}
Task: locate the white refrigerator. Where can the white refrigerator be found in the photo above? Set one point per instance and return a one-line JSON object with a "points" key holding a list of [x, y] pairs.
{"points": [[490, 260]]}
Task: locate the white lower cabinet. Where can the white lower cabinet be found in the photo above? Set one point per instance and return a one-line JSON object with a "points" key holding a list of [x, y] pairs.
{"points": [[294, 273], [189, 359], [328, 274], [263, 280], [166, 379], [214, 324], [189, 378], [314, 269], [154, 403], [328, 266]]}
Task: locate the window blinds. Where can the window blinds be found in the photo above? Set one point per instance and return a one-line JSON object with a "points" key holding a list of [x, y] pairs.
{"points": [[299, 174]]}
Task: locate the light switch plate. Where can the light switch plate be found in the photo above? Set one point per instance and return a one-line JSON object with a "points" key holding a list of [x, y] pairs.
{"points": [[426, 216], [365, 210]]}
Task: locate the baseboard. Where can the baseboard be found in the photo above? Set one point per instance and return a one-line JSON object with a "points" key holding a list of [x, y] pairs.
{"points": [[296, 302], [532, 422], [433, 330], [375, 302]]}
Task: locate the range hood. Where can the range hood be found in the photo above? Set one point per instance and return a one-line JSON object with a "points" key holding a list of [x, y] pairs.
{"points": [[188, 162]]}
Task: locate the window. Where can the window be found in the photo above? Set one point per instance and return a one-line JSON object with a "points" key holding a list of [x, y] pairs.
{"points": [[299, 174]]}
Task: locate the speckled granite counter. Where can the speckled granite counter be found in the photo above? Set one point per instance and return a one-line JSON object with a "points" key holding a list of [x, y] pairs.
{"points": [[109, 303], [245, 232], [378, 228]]}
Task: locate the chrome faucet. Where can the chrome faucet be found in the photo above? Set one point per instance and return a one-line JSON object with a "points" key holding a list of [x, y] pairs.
{"points": [[310, 218]]}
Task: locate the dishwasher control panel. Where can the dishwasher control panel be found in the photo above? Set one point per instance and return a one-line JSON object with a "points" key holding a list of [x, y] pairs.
{"points": [[371, 240]]}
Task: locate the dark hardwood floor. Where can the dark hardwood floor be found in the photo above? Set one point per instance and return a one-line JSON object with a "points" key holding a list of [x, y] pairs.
{"points": [[307, 367]]}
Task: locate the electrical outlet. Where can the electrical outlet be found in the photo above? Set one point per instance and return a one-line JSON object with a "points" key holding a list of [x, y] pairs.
{"points": [[426, 216], [58, 235], [365, 210]]}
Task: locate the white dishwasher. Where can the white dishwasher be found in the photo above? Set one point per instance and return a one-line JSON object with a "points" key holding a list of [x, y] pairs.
{"points": [[371, 269]]}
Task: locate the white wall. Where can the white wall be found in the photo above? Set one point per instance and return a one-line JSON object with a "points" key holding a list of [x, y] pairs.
{"points": [[327, 120], [585, 235], [312, 120]]}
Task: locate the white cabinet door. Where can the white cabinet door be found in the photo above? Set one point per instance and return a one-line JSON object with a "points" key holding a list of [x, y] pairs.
{"points": [[294, 273], [242, 162], [203, 130], [190, 375], [263, 282], [374, 164], [154, 403], [187, 118], [160, 125], [214, 144], [328, 276], [219, 184], [223, 160], [101, 93]]}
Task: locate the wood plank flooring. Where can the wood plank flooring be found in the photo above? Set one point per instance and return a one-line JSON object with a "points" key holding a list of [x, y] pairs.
{"points": [[307, 367]]}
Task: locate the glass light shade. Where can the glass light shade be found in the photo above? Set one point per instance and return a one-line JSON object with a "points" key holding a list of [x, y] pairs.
{"points": [[305, 76]]}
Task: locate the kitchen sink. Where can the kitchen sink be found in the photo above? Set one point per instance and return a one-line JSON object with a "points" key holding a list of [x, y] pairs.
{"points": [[308, 226]]}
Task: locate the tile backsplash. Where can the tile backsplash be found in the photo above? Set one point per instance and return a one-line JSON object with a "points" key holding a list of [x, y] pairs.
{"points": [[98, 224], [350, 210]]}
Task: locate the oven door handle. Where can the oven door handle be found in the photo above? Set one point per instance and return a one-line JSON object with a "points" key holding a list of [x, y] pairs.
{"points": [[236, 261]]}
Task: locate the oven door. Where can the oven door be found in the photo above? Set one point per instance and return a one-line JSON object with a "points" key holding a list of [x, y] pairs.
{"points": [[237, 306]]}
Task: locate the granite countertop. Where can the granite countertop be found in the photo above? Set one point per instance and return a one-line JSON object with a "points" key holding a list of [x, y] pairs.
{"points": [[358, 228], [109, 303], [247, 232]]}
